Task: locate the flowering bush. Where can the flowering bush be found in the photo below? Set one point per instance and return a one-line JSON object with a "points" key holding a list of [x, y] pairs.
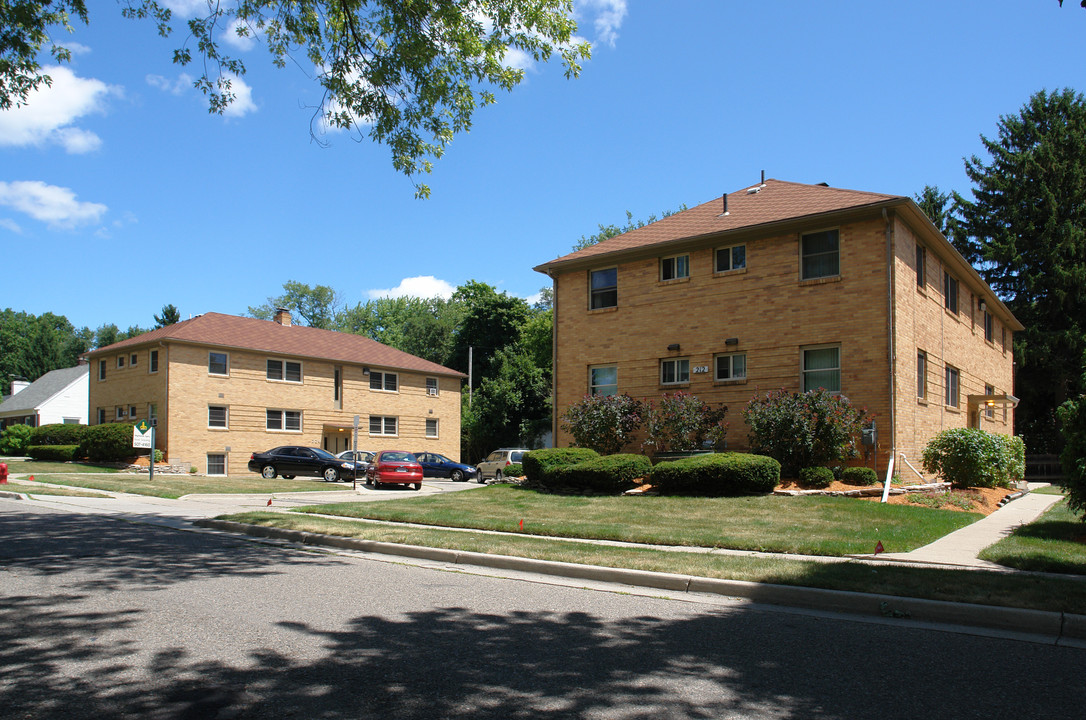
{"points": [[681, 423], [801, 430], [604, 423], [970, 457]]}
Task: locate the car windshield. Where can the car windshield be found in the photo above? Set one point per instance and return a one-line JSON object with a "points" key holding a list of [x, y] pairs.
{"points": [[323, 454], [397, 457]]}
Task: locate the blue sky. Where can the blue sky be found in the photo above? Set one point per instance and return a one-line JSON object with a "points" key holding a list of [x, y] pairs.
{"points": [[119, 193]]}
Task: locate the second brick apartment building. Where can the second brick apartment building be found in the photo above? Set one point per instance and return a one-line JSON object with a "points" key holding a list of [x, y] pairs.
{"points": [[220, 387], [787, 285]]}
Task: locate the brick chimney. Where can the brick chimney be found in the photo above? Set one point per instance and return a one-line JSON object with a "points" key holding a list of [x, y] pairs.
{"points": [[282, 316]]}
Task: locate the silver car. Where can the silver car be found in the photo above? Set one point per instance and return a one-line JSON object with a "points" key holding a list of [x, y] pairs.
{"points": [[495, 463], [361, 458]]}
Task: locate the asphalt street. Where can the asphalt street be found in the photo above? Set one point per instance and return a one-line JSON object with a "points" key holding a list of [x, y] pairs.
{"points": [[103, 617]]}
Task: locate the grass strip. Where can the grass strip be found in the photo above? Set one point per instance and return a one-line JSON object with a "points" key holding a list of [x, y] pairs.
{"points": [[798, 525], [175, 486], [966, 586], [1054, 542], [32, 467]]}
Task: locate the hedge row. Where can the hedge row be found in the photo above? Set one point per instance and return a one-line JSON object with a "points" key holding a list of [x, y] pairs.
{"points": [[539, 463], [607, 474], [53, 453], [57, 434], [718, 474]]}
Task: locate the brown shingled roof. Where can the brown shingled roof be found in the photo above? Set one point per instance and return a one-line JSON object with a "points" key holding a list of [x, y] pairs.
{"points": [[231, 331], [774, 201]]}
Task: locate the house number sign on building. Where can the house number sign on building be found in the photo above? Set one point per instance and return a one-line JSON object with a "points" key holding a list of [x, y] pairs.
{"points": [[700, 369]]}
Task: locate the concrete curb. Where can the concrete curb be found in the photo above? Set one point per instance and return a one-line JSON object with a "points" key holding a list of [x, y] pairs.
{"points": [[1065, 629], [9, 495]]}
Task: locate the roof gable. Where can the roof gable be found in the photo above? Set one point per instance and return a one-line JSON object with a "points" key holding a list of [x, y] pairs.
{"points": [[39, 392], [266, 336]]}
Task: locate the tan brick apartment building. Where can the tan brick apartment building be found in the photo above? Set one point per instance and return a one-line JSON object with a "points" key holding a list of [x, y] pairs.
{"points": [[785, 285], [219, 387]]}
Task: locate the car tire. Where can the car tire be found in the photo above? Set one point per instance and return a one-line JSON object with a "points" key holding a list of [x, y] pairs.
{"points": [[268, 472], [456, 476], [288, 477], [417, 486], [331, 474]]}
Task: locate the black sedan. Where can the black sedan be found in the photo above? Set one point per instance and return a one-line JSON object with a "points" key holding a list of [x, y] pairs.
{"points": [[292, 461], [434, 465]]}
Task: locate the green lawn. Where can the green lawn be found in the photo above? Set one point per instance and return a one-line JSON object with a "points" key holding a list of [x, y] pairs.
{"points": [[174, 486], [1054, 542], [800, 525], [35, 467], [985, 588]]}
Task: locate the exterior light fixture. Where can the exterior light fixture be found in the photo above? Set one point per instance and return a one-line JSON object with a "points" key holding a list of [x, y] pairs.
{"points": [[365, 371], [673, 346], [731, 341]]}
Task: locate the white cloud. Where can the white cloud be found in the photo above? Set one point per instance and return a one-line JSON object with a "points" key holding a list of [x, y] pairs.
{"points": [[240, 42], [51, 204], [243, 98], [173, 87], [606, 16], [77, 48], [11, 225], [50, 113], [423, 286]]}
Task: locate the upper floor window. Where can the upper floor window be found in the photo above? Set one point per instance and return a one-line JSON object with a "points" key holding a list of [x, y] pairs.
{"points": [[672, 268], [731, 258], [921, 264], [603, 380], [989, 327], [101, 369], [285, 370], [820, 254], [821, 368], [152, 363], [922, 375], [218, 363], [731, 367], [382, 425], [383, 381], [120, 361], [950, 292], [431, 427], [604, 288], [133, 359], [216, 416], [431, 386], [674, 371]]}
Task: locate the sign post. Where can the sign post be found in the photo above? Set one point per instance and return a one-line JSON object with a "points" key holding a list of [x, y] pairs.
{"points": [[143, 436], [354, 474]]}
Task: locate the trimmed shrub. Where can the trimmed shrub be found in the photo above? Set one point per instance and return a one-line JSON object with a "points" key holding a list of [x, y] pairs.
{"points": [[57, 434], [859, 476], [54, 453], [970, 457], [513, 470], [15, 440], [107, 443], [683, 423], [604, 423], [538, 463], [803, 429], [817, 477], [718, 474], [607, 474]]}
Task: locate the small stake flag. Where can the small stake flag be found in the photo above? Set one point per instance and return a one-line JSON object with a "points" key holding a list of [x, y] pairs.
{"points": [[522, 525], [878, 547], [269, 502], [30, 478]]}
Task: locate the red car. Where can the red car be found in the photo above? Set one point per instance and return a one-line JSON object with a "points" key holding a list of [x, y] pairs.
{"points": [[394, 466]]}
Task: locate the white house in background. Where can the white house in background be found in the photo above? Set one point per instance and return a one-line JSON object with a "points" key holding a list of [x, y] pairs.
{"points": [[58, 396]]}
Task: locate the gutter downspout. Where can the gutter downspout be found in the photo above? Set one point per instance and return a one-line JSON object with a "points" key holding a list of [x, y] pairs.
{"points": [[891, 352], [554, 360]]}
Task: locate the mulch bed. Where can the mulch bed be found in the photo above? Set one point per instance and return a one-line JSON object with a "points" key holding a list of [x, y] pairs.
{"points": [[983, 500]]}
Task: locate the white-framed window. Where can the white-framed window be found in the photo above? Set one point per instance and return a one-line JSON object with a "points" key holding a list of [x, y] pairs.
{"points": [[603, 380], [732, 366], [132, 411], [385, 381], [152, 363], [216, 464], [216, 416], [284, 420], [821, 368], [431, 386], [921, 265], [218, 363], [133, 359], [675, 267], [953, 391], [101, 416], [820, 254], [120, 412], [674, 371], [101, 369], [431, 427], [731, 258], [989, 410], [950, 292], [152, 412], [921, 375], [284, 370], [383, 425], [603, 285], [120, 361]]}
